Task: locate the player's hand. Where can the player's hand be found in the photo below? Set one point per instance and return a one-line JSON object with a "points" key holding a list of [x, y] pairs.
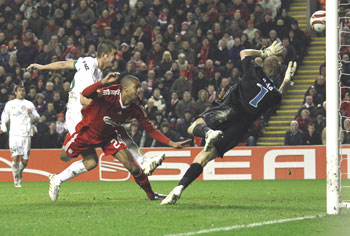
{"points": [[180, 144], [35, 66], [275, 49], [29, 111], [292, 66], [1, 132], [111, 77]]}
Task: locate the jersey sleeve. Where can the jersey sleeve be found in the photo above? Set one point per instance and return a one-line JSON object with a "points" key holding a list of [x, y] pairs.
{"points": [[141, 116], [5, 117], [35, 115], [248, 65]]}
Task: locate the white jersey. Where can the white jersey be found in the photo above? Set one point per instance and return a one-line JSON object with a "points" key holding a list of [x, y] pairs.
{"points": [[87, 74], [16, 112]]}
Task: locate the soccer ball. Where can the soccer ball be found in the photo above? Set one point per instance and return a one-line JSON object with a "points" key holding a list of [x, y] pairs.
{"points": [[318, 21]]}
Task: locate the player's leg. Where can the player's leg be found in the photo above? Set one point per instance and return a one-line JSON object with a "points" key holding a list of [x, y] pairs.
{"points": [[125, 157], [89, 162], [148, 165], [200, 128], [191, 174], [15, 170], [16, 148], [24, 159]]}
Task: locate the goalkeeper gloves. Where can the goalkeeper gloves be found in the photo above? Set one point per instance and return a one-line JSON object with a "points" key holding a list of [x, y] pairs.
{"points": [[275, 49], [292, 66]]}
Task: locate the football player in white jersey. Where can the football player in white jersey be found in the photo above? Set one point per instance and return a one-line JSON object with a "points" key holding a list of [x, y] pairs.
{"points": [[21, 114], [89, 71]]}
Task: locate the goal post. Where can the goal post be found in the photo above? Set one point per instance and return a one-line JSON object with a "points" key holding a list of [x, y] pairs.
{"points": [[332, 110]]}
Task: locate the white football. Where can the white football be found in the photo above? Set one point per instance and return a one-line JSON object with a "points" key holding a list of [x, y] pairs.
{"points": [[318, 21]]}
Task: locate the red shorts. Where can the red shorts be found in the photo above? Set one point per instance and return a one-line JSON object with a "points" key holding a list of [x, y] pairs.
{"points": [[75, 144]]}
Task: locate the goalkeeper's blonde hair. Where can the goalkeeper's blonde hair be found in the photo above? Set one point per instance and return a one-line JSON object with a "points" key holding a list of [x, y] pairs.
{"points": [[272, 66]]}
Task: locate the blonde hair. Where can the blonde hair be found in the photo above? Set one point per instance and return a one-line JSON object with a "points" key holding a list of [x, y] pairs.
{"points": [[272, 66], [166, 53]]}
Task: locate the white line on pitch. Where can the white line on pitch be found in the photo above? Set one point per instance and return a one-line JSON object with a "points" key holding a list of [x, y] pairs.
{"points": [[204, 231]]}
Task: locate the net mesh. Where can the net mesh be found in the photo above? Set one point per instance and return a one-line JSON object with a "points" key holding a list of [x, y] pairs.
{"points": [[344, 97]]}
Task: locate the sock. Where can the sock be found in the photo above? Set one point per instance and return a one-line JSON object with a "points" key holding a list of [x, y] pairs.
{"points": [[200, 130], [136, 153], [191, 174], [142, 180], [14, 168], [21, 167], [75, 169]]}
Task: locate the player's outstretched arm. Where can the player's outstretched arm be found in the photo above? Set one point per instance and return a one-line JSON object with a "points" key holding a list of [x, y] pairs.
{"points": [[292, 66], [60, 65], [275, 49], [180, 144]]}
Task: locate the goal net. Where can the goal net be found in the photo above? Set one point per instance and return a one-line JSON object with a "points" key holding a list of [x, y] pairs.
{"points": [[338, 98]]}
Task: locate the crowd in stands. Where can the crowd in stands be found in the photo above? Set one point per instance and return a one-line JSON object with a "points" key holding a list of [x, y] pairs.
{"points": [[185, 53]]}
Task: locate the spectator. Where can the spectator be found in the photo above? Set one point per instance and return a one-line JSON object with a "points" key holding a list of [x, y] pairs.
{"points": [[345, 133], [234, 52], [59, 105], [183, 124], [309, 105], [294, 136], [169, 133], [311, 137], [50, 138], [304, 120], [4, 55], [221, 55], [320, 86], [202, 102], [26, 54], [50, 112], [181, 84], [151, 109], [185, 103], [135, 133], [171, 105], [187, 51], [158, 101], [85, 15]]}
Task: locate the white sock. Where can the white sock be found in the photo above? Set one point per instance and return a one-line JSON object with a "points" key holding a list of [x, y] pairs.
{"points": [[135, 151], [75, 169]]}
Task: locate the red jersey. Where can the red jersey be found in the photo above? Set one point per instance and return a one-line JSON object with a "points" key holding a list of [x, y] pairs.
{"points": [[103, 116]]}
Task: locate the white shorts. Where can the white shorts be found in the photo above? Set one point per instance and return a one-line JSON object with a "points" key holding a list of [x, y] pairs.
{"points": [[73, 117], [20, 146]]}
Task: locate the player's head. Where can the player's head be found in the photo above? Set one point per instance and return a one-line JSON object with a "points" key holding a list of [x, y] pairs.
{"points": [[106, 53], [131, 88], [272, 66], [20, 92]]}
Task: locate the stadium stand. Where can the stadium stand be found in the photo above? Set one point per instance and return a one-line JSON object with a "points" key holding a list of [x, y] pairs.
{"points": [[188, 47]]}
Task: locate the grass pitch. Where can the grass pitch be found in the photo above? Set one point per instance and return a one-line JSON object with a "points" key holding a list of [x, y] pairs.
{"points": [[121, 208]]}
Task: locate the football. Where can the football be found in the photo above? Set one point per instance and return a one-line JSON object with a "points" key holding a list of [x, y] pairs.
{"points": [[318, 21]]}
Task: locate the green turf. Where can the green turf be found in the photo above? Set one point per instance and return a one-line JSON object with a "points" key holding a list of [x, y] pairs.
{"points": [[120, 208]]}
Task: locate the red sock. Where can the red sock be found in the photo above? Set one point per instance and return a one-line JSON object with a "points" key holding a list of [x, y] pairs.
{"points": [[142, 180]]}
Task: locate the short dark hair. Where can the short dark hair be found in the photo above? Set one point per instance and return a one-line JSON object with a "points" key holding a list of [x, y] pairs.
{"points": [[106, 47], [128, 79], [19, 86]]}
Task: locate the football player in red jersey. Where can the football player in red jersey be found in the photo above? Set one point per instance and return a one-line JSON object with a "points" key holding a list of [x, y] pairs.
{"points": [[102, 118]]}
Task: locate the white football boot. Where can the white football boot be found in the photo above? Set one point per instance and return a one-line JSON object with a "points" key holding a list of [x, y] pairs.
{"points": [[54, 188], [211, 137], [150, 164], [173, 196]]}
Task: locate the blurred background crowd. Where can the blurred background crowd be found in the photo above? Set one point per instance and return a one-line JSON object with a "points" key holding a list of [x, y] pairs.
{"points": [[185, 53]]}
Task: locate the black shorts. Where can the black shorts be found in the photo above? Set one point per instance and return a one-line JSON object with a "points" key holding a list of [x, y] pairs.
{"points": [[231, 121]]}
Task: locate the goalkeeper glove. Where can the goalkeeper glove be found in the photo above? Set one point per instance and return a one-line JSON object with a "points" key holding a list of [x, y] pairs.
{"points": [[292, 66], [275, 49]]}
